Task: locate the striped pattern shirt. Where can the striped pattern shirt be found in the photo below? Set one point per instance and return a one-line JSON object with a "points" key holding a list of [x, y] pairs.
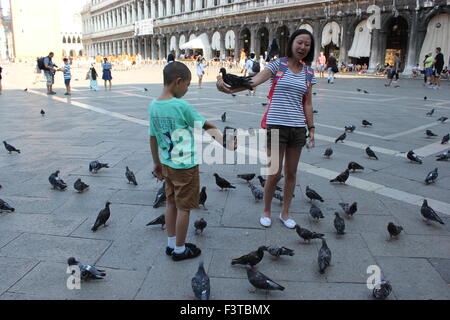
{"points": [[67, 74], [287, 101]]}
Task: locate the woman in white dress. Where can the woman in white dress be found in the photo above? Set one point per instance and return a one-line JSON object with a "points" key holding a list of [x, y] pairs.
{"points": [[200, 67]]}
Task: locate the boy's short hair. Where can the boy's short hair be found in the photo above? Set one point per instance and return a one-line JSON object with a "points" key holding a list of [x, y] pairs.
{"points": [[65, 59], [174, 71], [252, 55]]}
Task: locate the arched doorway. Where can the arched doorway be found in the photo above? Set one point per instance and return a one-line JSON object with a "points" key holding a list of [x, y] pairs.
{"points": [[331, 39], [72, 53], [397, 40], [438, 33], [263, 36], [64, 53], [215, 46], [230, 43], [245, 36], [283, 39]]}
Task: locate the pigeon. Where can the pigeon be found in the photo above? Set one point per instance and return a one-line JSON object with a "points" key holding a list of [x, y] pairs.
{"points": [[200, 283], [431, 177], [313, 195], [429, 214], [349, 210], [145, 89], [235, 81], [306, 234], [324, 257], [224, 117], [365, 91], [160, 196], [315, 212], [413, 157], [130, 176], [200, 225], [339, 223], [246, 177], [279, 196], [56, 181], [26, 89], [430, 113], [328, 153], [430, 133], [257, 193], [222, 183], [350, 128], [160, 220], [442, 119], [102, 217], [261, 281], [202, 198], [341, 178], [263, 184], [394, 230], [253, 258], [80, 186], [358, 89], [277, 251], [443, 156], [341, 138], [382, 290], [366, 123], [233, 95], [425, 98], [264, 104], [95, 166], [42, 112], [445, 138], [87, 271], [4, 206], [314, 93], [355, 166], [10, 148], [370, 153], [315, 111]]}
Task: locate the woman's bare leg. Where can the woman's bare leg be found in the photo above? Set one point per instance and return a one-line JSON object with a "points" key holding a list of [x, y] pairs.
{"points": [[272, 181], [292, 158]]}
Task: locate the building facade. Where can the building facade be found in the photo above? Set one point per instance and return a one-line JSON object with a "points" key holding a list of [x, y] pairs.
{"points": [[369, 31]]}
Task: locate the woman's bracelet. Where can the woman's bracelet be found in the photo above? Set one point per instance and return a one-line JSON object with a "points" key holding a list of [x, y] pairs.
{"points": [[312, 127]]}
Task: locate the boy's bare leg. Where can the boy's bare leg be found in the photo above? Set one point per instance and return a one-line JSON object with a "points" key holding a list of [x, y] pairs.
{"points": [[182, 226], [171, 218]]}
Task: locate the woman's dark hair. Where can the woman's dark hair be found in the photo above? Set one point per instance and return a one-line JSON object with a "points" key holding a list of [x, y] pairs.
{"points": [[310, 56], [105, 59]]}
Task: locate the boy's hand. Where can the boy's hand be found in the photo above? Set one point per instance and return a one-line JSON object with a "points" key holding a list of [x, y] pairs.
{"points": [[157, 172]]}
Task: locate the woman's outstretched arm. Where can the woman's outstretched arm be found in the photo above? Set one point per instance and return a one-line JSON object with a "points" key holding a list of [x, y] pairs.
{"points": [[260, 78]]}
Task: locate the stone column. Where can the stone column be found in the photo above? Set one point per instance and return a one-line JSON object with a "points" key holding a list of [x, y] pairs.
{"points": [[198, 4], [146, 16], [343, 48], [160, 48], [237, 44], [177, 6], [223, 53], [375, 51], [153, 47], [253, 32], [160, 8], [413, 45], [122, 16], [133, 12], [152, 9], [317, 40]]}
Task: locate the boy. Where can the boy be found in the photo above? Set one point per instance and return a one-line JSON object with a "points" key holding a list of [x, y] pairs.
{"points": [[67, 76], [171, 123]]}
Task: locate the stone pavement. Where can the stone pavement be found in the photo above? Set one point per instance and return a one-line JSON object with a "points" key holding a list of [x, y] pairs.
{"points": [[50, 226]]}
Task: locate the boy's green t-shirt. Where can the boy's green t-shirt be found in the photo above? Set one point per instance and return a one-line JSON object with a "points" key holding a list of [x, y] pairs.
{"points": [[429, 62], [172, 122]]}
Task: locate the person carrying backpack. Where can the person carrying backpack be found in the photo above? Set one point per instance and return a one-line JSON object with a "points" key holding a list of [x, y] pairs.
{"points": [[290, 115], [252, 68], [46, 64]]}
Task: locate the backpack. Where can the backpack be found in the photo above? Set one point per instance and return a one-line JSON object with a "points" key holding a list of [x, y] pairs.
{"points": [[41, 64], [256, 67], [280, 73]]}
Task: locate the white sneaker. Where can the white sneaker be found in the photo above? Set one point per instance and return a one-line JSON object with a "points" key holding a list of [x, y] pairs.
{"points": [[265, 222], [289, 223]]}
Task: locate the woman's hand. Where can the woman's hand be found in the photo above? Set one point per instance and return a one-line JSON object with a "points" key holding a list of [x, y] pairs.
{"points": [[222, 86], [312, 142]]}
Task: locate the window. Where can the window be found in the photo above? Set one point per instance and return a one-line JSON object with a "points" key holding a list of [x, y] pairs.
{"points": [[64, 40], [172, 2], [230, 1], [216, 2], [68, 40], [156, 10], [164, 8], [192, 5], [203, 4], [182, 6], [78, 40]]}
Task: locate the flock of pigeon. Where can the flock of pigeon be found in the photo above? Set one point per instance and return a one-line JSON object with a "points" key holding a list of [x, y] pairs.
{"points": [[200, 282]]}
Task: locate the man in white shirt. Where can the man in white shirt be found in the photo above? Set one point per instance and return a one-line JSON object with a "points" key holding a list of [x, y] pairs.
{"points": [[250, 70]]}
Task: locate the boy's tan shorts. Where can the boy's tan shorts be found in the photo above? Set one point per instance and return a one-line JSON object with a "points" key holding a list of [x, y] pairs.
{"points": [[182, 186]]}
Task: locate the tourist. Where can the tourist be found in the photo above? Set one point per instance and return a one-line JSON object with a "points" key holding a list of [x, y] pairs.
{"points": [[107, 72], [290, 114]]}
